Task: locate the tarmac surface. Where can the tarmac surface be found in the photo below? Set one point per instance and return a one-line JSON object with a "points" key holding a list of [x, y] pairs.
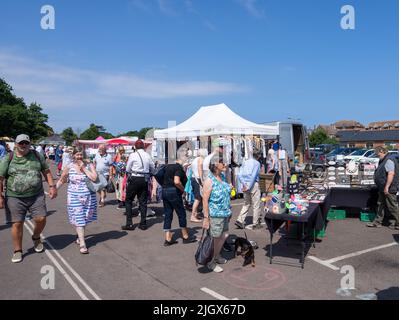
{"points": [[134, 265]]}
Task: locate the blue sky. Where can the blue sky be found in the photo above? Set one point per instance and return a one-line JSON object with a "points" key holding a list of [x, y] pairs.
{"points": [[129, 64]]}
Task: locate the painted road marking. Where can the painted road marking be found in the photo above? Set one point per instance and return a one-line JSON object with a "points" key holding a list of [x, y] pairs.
{"points": [[358, 253], [215, 294], [62, 271], [78, 277], [324, 263], [329, 263]]}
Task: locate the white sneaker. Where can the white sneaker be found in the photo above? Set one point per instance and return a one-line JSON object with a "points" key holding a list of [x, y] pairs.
{"points": [[16, 257], [150, 213], [214, 267]]}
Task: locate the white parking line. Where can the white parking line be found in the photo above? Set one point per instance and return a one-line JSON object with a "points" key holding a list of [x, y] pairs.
{"points": [[358, 253], [324, 263], [329, 263], [78, 277], [215, 294], [62, 271]]}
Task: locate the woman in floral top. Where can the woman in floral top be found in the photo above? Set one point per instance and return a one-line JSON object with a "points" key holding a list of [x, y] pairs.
{"points": [[118, 172], [217, 208]]}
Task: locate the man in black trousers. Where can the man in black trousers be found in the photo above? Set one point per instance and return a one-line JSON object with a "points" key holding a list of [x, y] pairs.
{"points": [[139, 169]]}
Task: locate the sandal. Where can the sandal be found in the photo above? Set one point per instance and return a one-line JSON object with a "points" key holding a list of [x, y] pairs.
{"points": [[84, 250]]}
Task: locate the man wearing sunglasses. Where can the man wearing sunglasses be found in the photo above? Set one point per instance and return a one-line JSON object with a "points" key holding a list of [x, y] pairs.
{"points": [[23, 170]]}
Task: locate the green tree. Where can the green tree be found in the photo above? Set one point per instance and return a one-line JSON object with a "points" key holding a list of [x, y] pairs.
{"points": [[143, 132], [133, 133], [69, 135], [16, 117], [95, 131], [320, 136], [91, 133]]}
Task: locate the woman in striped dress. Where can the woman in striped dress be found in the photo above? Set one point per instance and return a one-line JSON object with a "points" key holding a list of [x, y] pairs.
{"points": [[82, 203]]}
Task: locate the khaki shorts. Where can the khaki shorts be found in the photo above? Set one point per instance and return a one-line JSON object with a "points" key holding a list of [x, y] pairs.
{"points": [[218, 226], [17, 208]]}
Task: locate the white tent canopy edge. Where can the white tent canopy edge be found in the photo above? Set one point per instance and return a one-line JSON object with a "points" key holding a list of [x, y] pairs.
{"points": [[215, 120]]}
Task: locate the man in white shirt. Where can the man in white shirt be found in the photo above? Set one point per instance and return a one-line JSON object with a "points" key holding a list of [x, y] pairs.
{"points": [[39, 149], [103, 162], [139, 168]]}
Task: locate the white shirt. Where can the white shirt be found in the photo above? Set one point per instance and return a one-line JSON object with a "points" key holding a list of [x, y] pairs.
{"points": [[281, 154], [103, 162], [138, 167], [40, 150], [195, 168], [206, 164]]}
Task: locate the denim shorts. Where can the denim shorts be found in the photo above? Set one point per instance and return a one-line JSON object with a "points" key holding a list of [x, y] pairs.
{"points": [[218, 226]]}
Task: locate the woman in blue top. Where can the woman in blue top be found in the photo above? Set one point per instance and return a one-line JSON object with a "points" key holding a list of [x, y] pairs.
{"points": [[217, 209]]}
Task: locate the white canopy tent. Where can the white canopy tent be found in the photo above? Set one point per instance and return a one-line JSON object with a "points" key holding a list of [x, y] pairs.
{"points": [[214, 121]]}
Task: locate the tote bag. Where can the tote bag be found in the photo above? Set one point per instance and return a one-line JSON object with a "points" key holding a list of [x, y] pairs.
{"points": [[99, 184], [205, 250]]}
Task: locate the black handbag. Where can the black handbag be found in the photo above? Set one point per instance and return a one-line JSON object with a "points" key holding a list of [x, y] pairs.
{"points": [[110, 186], [205, 250]]}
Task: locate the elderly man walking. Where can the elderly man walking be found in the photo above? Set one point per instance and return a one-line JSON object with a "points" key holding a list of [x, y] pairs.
{"points": [[22, 171], [386, 178], [248, 177], [103, 162]]}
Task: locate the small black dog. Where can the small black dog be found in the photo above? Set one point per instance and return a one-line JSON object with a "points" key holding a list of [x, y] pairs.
{"points": [[247, 251]]}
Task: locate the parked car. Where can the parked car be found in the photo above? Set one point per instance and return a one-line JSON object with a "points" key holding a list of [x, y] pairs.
{"points": [[332, 155], [359, 154], [326, 148], [317, 162], [374, 158]]}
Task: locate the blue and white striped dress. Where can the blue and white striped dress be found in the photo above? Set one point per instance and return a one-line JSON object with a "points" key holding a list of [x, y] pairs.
{"points": [[82, 203]]}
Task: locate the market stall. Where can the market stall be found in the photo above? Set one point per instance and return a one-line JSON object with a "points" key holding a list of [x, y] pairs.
{"points": [[91, 146]]}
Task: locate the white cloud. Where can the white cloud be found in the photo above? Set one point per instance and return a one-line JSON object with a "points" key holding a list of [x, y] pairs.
{"points": [[166, 8], [141, 5], [250, 7], [57, 86]]}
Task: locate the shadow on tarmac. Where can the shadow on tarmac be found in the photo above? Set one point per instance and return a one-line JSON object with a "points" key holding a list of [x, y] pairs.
{"points": [[391, 293], [62, 241]]}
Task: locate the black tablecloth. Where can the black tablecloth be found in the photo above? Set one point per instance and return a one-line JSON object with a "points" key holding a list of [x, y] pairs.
{"points": [[313, 217], [362, 198], [316, 215]]}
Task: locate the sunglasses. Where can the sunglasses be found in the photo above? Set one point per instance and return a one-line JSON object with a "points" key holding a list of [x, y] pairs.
{"points": [[24, 143]]}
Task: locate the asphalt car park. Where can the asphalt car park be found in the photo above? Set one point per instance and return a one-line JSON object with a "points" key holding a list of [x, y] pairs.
{"points": [[136, 266]]}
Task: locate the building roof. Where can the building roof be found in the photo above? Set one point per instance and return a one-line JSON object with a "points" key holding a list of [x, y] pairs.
{"points": [[384, 124], [356, 135], [329, 129], [347, 124]]}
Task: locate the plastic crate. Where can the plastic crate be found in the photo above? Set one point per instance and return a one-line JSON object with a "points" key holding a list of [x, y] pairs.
{"points": [[318, 234], [336, 214], [367, 216]]}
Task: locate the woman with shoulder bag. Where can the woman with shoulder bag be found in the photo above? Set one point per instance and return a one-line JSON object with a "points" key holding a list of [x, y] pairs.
{"points": [[217, 208], [81, 203]]}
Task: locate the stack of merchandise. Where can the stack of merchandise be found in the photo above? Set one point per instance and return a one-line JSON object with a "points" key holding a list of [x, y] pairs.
{"points": [[274, 203], [297, 205]]}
